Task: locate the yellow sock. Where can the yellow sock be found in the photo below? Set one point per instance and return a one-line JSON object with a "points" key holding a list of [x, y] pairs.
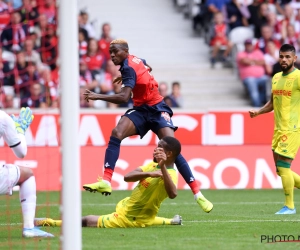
{"points": [[288, 185], [57, 223], [296, 179], [161, 221]]}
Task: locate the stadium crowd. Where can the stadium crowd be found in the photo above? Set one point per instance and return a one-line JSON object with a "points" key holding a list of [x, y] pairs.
{"points": [[247, 34], [29, 65]]}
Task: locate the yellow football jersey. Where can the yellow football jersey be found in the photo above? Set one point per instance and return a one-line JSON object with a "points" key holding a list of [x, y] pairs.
{"points": [[146, 198], [286, 100]]}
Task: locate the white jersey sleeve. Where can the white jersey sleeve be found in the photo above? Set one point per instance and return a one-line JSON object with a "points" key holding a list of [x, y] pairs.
{"points": [[8, 130]]}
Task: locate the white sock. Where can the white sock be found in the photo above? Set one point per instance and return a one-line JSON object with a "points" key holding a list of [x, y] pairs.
{"points": [[199, 194], [28, 201]]}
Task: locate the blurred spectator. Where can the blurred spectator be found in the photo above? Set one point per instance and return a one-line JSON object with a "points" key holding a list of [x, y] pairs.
{"points": [[266, 35], [6, 73], [218, 33], [236, 14], [14, 34], [31, 55], [94, 58], [289, 36], [82, 42], [271, 57], [280, 4], [176, 95], [84, 23], [163, 89], [48, 9], [252, 73], [215, 6], [253, 10], [35, 98], [289, 18], [51, 89], [40, 29], [29, 15], [16, 4], [164, 92], [273, 23], [8, 101], [105, 40], [260, 20], [3, 7], [107, 77], [36, 42], [48, 47], [26, 79], [86, 78], [6, 80]]}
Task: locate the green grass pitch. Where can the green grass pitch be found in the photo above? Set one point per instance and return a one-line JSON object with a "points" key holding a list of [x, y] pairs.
{"points": [[238, 220]]}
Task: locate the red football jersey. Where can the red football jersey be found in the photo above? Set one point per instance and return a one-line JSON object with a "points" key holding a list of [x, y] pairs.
{"points": [[136, 75]]}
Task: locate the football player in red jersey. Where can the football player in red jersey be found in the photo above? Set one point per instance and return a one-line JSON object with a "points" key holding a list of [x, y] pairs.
{"points": [[150, 112]]}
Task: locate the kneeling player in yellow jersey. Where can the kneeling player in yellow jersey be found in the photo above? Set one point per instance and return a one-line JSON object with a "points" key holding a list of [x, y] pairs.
{"points": [[285, 101], [157, 181]]}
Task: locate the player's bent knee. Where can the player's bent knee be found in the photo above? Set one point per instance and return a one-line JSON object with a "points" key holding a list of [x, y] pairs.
{"points": [[25, 173]]}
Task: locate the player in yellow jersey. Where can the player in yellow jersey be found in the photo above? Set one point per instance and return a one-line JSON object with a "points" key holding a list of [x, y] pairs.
{"points": [[285, 101], [157, 181]]}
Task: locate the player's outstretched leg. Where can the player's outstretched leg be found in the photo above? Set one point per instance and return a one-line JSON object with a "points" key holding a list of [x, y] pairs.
{"points": [[176, 220], [28, 203], [111, 156], [47, 222], [187, 174]]}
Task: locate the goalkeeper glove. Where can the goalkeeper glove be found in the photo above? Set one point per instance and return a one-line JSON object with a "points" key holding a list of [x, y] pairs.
{"points": [[24, 120]]}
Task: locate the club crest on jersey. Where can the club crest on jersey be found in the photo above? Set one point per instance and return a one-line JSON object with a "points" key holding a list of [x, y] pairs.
{"points": [[166, 116], [288, 83], [284, 138]]}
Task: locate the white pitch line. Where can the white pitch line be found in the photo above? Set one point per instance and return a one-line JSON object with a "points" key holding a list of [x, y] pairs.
{"points": [[237, 221], [172, 203]]}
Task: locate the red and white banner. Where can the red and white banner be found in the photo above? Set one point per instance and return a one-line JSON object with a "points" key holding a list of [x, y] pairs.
{"points": [[223, 149], [215, 167], [212, 128]]}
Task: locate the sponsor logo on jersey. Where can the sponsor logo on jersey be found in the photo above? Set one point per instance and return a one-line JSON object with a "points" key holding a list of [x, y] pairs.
{"points": [[282, 92]]}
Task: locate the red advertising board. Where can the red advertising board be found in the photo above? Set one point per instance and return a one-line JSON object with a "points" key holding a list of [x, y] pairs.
{"points": [[223, 149], [211, 128], [215, 167]]}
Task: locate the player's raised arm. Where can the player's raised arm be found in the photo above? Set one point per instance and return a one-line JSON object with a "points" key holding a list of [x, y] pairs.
{"points": [[170, 187], [118, 98], [138, 174], [16, 127], [268, 107]]}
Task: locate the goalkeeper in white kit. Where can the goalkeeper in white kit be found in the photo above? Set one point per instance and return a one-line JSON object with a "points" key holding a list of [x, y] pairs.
{"points": [[13, 129]]}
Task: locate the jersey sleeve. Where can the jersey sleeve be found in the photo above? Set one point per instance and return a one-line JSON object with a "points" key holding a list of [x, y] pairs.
{"points": [[128, 76], [10, 134]]}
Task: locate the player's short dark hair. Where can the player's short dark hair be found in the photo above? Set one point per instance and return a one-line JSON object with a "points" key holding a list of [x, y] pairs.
{"points": [[173, 145], [287, 48]]}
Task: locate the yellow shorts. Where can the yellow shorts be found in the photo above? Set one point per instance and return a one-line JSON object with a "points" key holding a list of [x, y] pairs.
{"points": [[117, 219], [286, 143]]}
